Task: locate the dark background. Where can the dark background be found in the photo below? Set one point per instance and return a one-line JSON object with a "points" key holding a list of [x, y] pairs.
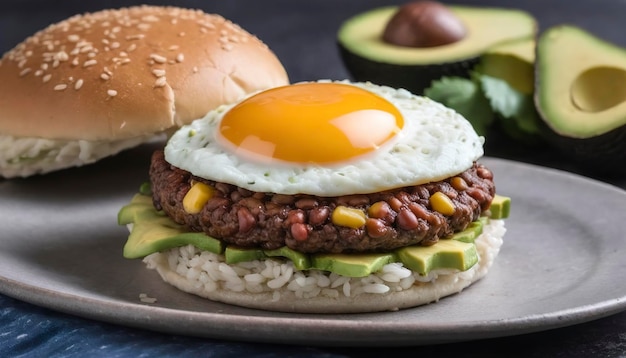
{"points": [[302, 34]]}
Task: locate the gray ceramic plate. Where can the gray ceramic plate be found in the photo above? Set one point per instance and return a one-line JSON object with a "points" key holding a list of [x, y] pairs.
{"points": [[61, 249]]}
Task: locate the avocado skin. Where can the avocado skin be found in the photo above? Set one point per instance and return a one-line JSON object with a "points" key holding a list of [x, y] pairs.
{"points": [[414, 78], [603, 155]]}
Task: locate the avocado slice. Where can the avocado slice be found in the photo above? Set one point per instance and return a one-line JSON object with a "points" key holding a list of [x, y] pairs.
{"points": [[470, 234], [234, 254], [352, 265], [369, 58], [500, 207], [581, 96], [153, 232], [300, 261], [445, 254]]}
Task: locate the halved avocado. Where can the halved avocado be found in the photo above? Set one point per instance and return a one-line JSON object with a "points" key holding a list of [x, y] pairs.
{"points": [[581, 96], [512, 61], [368, 58]]}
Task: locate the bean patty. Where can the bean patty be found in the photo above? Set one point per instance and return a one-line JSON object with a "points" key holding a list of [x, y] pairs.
{"points": [[392, 218]]}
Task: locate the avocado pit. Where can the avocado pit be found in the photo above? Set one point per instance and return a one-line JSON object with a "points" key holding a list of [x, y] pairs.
{"points": [[598, 89], [424, 24]]}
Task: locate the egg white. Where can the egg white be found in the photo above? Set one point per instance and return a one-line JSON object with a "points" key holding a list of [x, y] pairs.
{"points": [[435, 143]]}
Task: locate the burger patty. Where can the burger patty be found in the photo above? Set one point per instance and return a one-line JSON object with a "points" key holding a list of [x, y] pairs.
{"points": [[393, 218]]}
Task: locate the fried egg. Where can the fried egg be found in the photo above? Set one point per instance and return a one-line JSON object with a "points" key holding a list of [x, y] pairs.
{"points": [[327, 138]]}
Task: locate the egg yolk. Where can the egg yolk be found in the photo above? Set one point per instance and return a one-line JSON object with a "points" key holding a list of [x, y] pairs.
{"points": [[318, 123]]}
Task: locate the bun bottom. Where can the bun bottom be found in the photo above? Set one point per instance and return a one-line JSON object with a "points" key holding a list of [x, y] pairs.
{"points": [[27, 156], [273, 285]]}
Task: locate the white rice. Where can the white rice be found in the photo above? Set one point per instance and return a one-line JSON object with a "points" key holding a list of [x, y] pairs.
{"points": [[208, 272], [25, 156]]}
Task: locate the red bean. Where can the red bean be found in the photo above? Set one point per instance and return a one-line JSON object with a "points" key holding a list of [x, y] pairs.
{"points": [[306, 203], [215, 203], [382, 210], [299, 231], [246, 220], [295, 216], [282, 199], [395, 204], [484, 173], [376, 228], [406, 219], [319, 215]]}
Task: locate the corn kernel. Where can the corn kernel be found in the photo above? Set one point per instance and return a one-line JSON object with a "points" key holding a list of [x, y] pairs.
{"points": [[440, 202], [197, 197], [458, 183], [348, 217]]}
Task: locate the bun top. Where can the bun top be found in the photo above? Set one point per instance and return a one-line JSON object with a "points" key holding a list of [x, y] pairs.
{"points": [[117, 74]]}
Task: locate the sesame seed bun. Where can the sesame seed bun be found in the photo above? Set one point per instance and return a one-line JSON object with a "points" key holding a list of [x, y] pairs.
{"points": [[123, 74]]}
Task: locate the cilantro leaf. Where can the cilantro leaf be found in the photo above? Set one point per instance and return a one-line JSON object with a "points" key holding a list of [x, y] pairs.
{"points": [[510, 104], [466, 97]]}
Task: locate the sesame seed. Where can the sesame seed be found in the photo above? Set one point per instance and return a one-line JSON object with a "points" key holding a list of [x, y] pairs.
{"points": [[91, 55], [160, 82], [105, 77], [73, 38], [143, 26], [227, 47], [75, 61], [89, 63], [195, 69], [159, 72], [60, 87], [181, 34], [61, 56], [115, 45], [123, 54], [75, 51], [25, 72], [173, 48], [28, 53], [38, 73], [125, 61], [112, 93], [46, 78], [105, 41], [78, 84], [158, 58], [135, 37], [180, 57], [131, 48], [150, 18], [55, 64], [116, 29], [22, 63], [203, 30]]}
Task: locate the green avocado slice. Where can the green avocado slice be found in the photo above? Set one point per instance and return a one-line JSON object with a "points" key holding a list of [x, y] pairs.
{"points": [[445, 254], [352, 265], [153, 232]]}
